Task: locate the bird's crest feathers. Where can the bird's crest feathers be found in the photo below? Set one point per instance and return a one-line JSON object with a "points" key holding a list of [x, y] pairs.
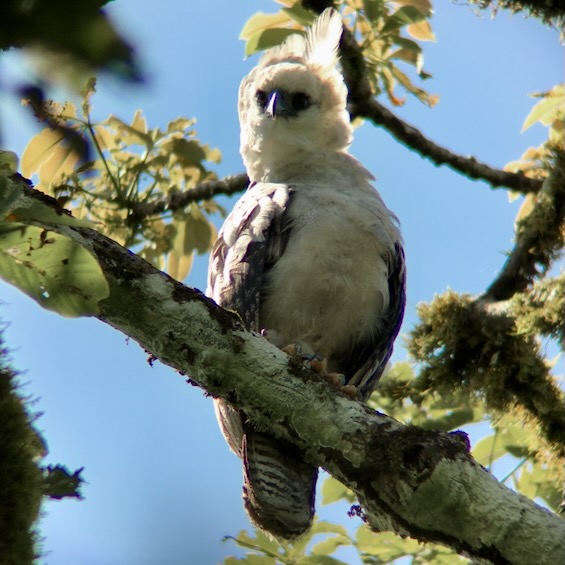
{"points": [[318, 46], [322, 39]]}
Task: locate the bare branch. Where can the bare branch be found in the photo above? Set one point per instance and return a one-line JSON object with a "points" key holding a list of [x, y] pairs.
{"points": [[416, 140]]}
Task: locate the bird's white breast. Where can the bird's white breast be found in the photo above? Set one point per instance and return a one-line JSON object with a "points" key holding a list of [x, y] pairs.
{"points": [[330, 287]]}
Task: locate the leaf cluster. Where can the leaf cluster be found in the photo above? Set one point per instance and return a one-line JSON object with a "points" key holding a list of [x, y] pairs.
{"points": [[371, 548], [133, 165], [388, 33], [549, 111]]}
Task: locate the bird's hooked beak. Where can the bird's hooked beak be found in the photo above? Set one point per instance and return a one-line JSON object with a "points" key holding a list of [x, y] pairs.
{"points": [[278, 104]]}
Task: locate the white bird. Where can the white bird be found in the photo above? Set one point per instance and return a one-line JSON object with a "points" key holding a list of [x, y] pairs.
{"points": [[310, 255]]}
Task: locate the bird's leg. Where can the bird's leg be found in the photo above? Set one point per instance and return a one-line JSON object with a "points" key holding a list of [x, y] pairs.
{"points": [[317, 362]]}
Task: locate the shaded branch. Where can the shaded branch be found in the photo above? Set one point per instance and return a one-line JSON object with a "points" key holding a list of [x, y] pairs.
{"points": [[539, 238], [411, 481], [178, 200]]}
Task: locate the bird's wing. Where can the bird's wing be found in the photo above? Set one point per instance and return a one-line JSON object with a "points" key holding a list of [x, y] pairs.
{"points": [[252, 238], [279, 486], [368, 359]]}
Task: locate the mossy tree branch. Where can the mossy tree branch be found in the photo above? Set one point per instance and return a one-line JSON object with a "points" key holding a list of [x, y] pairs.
{"points": [[408, 480]]}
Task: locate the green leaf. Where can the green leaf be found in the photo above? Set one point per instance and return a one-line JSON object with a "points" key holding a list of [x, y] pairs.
{"points": [[261, 21], [407, 44], [507, 439], [105, 137], [488, 449], [330, 544], [422, 31], [300, 15], [403, 16], [402, 372], [139, 123], [547, 109], [9, 197], [213, 155], [385, 545], [55, 271], [266, 543], [323, 527], [8, 161], [262, 542], [58, 482], [254, 559], [425, 6], [373, 9], [332, 491], [410, 57], [179, 124], [448, 420], [321, 560], [179, 264], [538, 481], [131, 135], [188, 151], [430, 99], [266, 39], [193, 232], [48, 154]]}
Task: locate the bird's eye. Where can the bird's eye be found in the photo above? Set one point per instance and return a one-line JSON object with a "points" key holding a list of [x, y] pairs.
{"points": [[301, 101], [261, 98]]}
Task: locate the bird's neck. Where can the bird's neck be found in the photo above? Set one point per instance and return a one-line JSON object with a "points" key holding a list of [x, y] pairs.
{"points": [[287, 163]]}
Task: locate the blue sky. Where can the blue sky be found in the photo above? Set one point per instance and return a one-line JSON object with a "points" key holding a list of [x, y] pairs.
{"points": [[162, 487]]}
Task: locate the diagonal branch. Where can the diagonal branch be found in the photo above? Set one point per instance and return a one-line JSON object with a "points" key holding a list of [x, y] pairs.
{"points": [[417, 141], [414, 482]]}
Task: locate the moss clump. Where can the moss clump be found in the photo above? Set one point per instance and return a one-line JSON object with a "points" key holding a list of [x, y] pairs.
{"points": [[20, 477]]}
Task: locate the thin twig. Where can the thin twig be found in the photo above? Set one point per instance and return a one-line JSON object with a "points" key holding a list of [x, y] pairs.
{"points": [[203, 191]]}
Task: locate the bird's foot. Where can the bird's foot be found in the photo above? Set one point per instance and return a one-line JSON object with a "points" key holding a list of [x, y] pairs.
{"points": [[319, 365], [336, 380]]}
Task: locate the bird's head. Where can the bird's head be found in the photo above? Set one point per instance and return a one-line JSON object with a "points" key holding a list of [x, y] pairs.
{"points": [[294, 101]]}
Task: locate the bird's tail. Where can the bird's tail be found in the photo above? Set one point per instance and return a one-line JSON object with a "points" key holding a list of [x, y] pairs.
{"points": [[279, 486]]}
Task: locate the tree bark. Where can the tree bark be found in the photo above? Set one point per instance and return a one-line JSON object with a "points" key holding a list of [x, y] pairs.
{"points": [[415, 482]]}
